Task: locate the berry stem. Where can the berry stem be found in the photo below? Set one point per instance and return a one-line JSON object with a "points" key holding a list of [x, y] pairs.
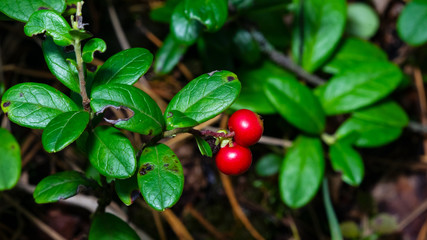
{"points": [[193, 131]]}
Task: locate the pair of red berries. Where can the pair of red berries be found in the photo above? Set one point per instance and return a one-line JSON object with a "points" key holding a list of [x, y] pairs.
{"points": [[235, 158]]}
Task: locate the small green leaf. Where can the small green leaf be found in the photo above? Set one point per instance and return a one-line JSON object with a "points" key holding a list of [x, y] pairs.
{"points": [[92, 46], [350, 230], [346, 160], [147, 117], [21, 10], [127, 190], [411, 21], [34, 105], [52, 23], [362, 20], [352, 53], [111, 153], [334, 226], [296, 103], [386, 113], [169, 54], [177, 119], [10, 160], [125, 67], [211, 13], [358, 87], [63, 130], [57, 63], [160, 177], [301, 172], [106, 226], [204, 147], [185, 30], [60, 186], [323, 23], [80, 34], [206, 96], [268, 165]]}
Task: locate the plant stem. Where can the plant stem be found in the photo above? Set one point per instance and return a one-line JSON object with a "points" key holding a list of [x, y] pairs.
{"points": [[193, 131]]}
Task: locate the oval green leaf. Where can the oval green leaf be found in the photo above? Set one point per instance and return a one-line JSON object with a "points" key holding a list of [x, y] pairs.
{"points": [[169, 54], [348, 162], [127, 190], [63, 130], [268, 165], [147, 117], [60, 186], [362, 20], [125, 67], [411, 21], [211, 13], [52, 23], [92, 46], [385, 113], [301, 172], [359, 86], [160, 177], [111, 153], [21, 10], [106, 226], [185, 30], [323, 23], [34, 105], [206, 96], [10, 160]]}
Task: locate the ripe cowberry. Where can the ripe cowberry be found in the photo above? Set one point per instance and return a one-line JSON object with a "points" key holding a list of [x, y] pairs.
{"points": [[233, 160], [247, 127]]}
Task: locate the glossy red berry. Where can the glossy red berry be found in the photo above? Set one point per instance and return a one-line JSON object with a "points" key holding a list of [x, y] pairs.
{"points": [[233, 160], [247, 127]]}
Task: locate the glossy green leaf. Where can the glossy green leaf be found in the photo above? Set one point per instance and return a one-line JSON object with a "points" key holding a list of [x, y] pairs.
{"points": [[386, 113], [358, 87], [111, 153], [211, 13], [92, 46], [246, 48], [177, 119], [268, 165], [301, 171], [206, 96], [204, 147], [10, 160], [411, 21], [352, 53], [147, 117], [348, 162], [51, 23], [362, 20], [21, 10], [106, 226], [169, 54], [323, 23], [333, 223], [160, 177], [184, 30], [127, 190], [33, 105], [60, 186], [56, 60], [125, 67], [296, 103], [63, 130]]}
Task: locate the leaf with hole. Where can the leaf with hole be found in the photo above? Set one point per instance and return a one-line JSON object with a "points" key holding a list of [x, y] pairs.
{"points": [[127, 190], [10, 160], [92, 46], [168, 55], [411, 21], [211, 13], [21, 10], [347, 161], [106, 226]]}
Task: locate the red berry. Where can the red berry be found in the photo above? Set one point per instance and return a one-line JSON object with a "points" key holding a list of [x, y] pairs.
{"points": [[247, 127], [233, 160]]}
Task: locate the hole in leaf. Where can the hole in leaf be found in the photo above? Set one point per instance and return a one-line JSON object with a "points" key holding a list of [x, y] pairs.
{"points": [[114, 114]]}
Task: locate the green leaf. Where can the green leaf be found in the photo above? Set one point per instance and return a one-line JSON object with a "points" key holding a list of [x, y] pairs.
{"points": [[56, 60], [296, 103], [60, 186], [211, 13], [350, 229], [301, 172], [92, 46], [204, 147], [346, 160], [177, 119], [52, 23], [268, 165], [334, 226], [323, 23], [10, 160], [160, 177], [411, 21], [21, 10], [358, 87], [206, 96], [111, 153], [147, 117], [163, 14], [185, 30], [34, 105], [63, 130], [127, 190], [386, 113], [80, 34], [125, 67], [246, 48], [169, 54], [106, 226], [362, 20]]}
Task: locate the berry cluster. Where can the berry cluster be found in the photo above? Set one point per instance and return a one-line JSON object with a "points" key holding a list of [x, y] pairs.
{"points": [[235, 157]]}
